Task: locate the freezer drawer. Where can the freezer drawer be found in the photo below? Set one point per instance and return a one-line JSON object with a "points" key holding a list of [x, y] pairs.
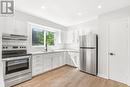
{"points": [[88, 61]]}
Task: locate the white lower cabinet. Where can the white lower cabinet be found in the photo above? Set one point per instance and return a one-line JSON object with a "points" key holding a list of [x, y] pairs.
{"points": [[75, 58], [37, 64], [45, 62], [72, 58], [58, 60], [48, 61]]}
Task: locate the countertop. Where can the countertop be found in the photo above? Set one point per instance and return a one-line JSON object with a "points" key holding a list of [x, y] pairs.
{"points": [[53, 51]]}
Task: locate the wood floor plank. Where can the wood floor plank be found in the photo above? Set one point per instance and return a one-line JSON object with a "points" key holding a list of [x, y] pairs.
{"points": [[69, 77]]}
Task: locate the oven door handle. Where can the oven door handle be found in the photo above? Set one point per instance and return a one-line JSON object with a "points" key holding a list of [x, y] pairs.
{"points": [[16, 58]]}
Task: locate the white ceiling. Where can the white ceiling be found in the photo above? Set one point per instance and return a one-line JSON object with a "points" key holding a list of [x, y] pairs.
{"points": [[69, 12]]}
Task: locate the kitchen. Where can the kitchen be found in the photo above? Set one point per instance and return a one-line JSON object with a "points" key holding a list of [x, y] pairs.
{"points": [[58, 53]]}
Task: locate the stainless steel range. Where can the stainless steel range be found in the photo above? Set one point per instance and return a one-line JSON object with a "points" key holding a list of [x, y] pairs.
{"points": [[17, 64]]}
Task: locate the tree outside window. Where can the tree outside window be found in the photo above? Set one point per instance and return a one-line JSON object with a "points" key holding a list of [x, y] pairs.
{"points": [[50, 38], [38, 37]]}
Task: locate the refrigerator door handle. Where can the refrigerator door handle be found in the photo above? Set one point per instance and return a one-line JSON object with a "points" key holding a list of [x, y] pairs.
{"points": [[87, 47]]}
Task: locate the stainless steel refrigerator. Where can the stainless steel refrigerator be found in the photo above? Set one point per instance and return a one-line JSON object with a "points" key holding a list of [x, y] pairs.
{"points": [[89, 53]]}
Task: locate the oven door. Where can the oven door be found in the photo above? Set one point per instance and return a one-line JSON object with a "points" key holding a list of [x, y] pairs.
{"points": [[17, 66]]}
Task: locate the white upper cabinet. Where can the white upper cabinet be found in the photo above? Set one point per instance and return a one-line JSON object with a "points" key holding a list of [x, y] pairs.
{"points": [[20, 27], [9, 23], [13, 26], [70, 36]]}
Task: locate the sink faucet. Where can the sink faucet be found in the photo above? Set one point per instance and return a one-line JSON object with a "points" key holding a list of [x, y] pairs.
{"points": [[46, 47]]}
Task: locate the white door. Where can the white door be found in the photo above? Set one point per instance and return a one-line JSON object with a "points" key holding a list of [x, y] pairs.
{"points": [[118, 50]]}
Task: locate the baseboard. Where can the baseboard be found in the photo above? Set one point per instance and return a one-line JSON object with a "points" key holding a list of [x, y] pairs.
{"points": [[128, 83], [70, 66], [103, 76], [50, 70]]}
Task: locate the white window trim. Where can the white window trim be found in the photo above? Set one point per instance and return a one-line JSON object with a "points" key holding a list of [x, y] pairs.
{"points": [[30, 25]]}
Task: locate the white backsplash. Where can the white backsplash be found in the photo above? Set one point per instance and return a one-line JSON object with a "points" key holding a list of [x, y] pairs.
{"points": [[14, 42]]}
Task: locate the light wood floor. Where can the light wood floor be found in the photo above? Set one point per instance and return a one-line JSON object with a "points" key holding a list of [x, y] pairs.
{"points": [[69, 77]]}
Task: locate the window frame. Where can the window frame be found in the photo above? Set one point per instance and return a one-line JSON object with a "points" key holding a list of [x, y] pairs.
{"points": [[44, 40], [46, 29]]}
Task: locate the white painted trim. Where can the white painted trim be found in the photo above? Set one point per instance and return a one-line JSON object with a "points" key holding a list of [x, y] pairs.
{"points": [[103, 76], [108, 49], [2, 83], [128, 83]]}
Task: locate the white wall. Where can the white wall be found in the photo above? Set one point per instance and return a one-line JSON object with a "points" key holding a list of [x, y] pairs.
{"points": [[1, 65], [99, 26]]}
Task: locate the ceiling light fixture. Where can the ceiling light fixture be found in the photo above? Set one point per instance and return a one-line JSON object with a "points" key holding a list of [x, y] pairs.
{"points": [[43, 7], [80, 14], [99, 6]]}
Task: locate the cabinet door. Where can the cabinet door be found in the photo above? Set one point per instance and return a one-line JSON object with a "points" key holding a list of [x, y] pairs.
{"points": [[58, 59], [47, 62], [68, 59], [72, 58], [9, 24], [62, 60], [37, 64], [13, 26], [70, 36], [20, 27], [75, 58], [55, 60]]}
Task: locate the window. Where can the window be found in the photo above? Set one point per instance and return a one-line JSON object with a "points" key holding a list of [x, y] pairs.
{"points": [[50, 38], [41, 36], [37, 37]]}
